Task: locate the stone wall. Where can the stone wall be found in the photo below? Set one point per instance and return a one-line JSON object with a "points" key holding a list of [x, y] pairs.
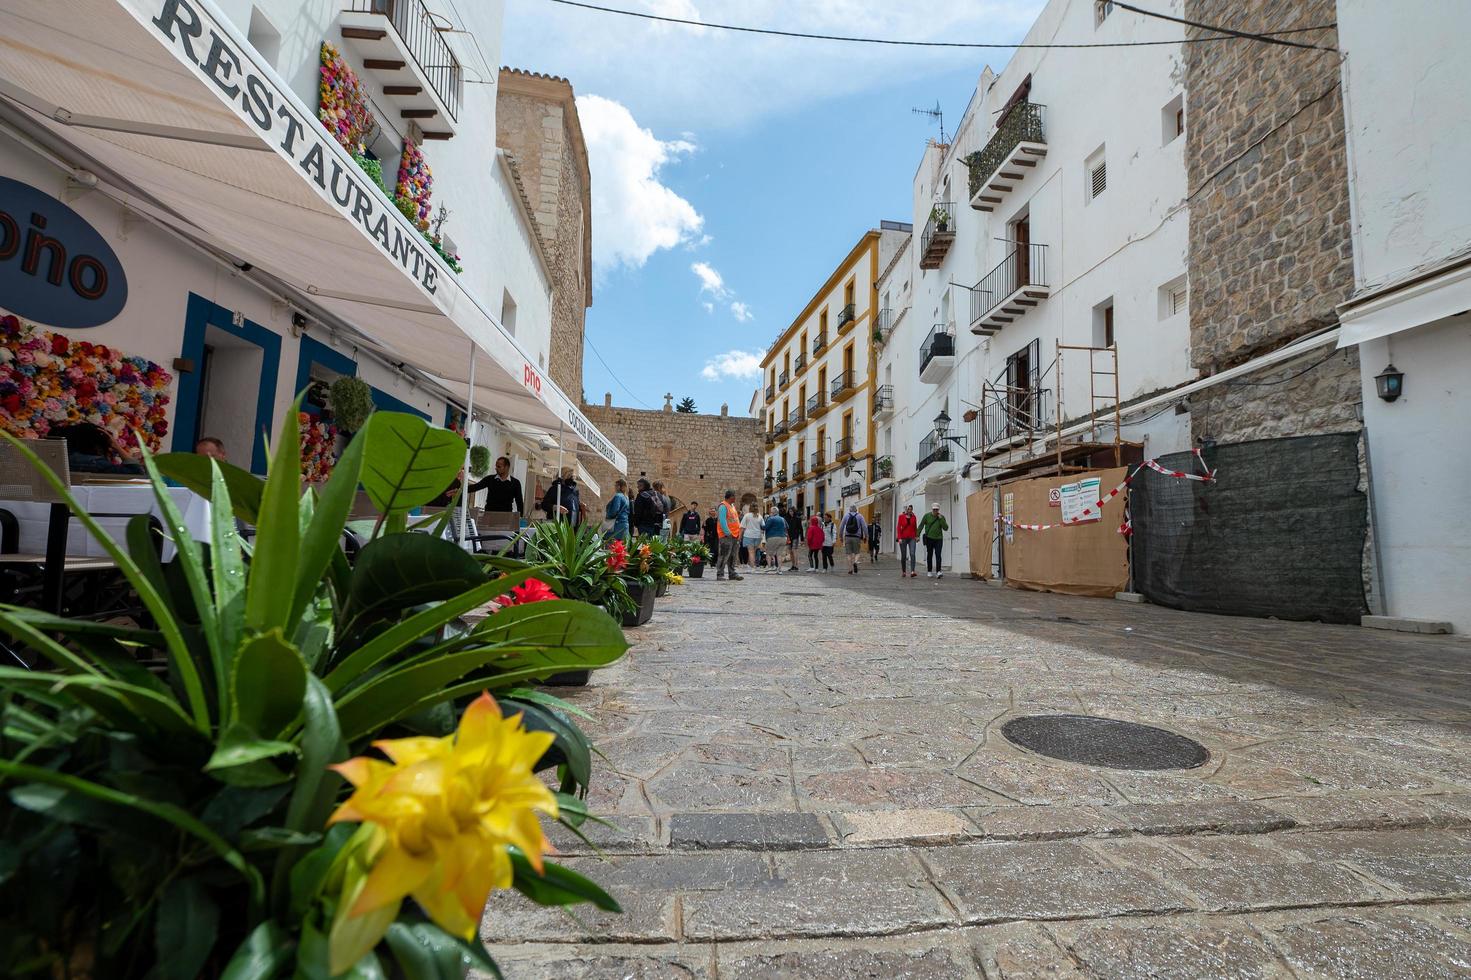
{"points": [[1270, 249], [536, 123], [697, 456]]}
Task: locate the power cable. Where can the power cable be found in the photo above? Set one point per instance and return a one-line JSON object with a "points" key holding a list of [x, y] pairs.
{"points": [[1244, 35], [1291, 377], [614, 376], [1225, 35]]}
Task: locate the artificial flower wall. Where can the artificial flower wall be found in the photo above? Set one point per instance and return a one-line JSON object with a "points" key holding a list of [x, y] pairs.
{"points": [[342, 102], [48, 380]]}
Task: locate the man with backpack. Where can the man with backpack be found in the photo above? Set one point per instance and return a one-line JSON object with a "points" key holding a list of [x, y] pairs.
{"points": [[933, 529], [648, 510], [855, 532]]}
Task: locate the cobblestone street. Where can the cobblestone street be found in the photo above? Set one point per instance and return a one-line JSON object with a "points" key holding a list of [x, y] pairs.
{"points": [[810, 781]]}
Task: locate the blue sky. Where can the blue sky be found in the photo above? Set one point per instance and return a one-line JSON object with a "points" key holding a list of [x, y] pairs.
{"points": [[732, 172]]}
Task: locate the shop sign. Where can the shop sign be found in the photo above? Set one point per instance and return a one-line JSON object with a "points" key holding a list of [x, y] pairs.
{"points": [[55, 268]]}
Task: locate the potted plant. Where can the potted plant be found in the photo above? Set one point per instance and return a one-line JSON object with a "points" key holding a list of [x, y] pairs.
{"points": [[352, 402], [479, 461], [581, 565], [969, 415], [699, 555], [940, 217]]}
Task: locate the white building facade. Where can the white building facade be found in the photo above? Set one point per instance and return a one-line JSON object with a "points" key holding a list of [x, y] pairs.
{"points": [[1057, 215], [1406, 103], [248, 250]]}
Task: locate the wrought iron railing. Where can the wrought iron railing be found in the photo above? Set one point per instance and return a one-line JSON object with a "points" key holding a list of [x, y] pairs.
{"points": [[843, 447], [770, 392], [883, 398], [819, 460], [796, 418], [882, 324], [815, 403], [841, 383], [1024, 265], [883, 467], [818, 344], [1021, 124], [797, 471], [780, 428], [781, 476], [419, 31], [768, 483], [783, 379], [799, 363], [939, 343], [1009, 412], [933, 448], [846, 315], [941, 222]]}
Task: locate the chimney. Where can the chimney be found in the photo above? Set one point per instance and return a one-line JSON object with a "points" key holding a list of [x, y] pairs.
{"points": [[724, 409], [607, 399]]}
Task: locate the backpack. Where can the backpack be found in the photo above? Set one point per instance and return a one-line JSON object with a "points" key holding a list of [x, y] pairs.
{"points": [[851, 527]]}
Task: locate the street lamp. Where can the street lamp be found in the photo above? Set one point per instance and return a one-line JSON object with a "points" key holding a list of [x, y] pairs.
{"points": [[942, 424], [1390, 383]]}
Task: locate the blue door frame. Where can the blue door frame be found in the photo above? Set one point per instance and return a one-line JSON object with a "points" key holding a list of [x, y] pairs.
{"points": [[316, 352], [201, 314]]}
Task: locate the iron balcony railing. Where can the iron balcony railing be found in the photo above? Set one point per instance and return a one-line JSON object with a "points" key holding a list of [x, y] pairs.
{"points": [[1021, 124], [1009, 412], [882, 324], [819, 460], [815, 403], [818, 344], [797, 472], [784, 379], [883, 398], [779, 428], [799, 363], [842, 383], [939, 230], [1024, 265], [844, 447], [883, 467], [768, 483], [781, 476], [939, 343], [770, 392], [420, 33], [847, 315], [933, 449], [796, 419]]}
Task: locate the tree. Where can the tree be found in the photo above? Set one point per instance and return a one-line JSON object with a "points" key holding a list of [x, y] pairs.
{"points": [[686, 405]]}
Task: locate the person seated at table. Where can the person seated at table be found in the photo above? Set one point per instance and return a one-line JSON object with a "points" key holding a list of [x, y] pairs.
{"points": [[92, 449], [211, 447]]}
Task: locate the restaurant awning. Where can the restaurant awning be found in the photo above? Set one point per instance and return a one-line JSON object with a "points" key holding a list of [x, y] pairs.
{"points": [[169, 99], [1422, 298]]}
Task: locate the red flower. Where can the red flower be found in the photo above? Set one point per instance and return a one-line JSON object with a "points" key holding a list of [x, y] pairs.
{"points": [[532, 590], [60, 345], [617, 556]]}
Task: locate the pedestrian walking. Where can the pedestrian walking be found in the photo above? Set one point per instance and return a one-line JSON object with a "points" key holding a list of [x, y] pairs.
{"points": [[829, 541], [666, 509], [561, 502], [794, 534], [906, 532], [648, 513], [712, 533], [776, 538], [875, 539], [814, 542], [617, 513], [728, 525], [689, 524], [750, 536], [855, 531], [933, 529]]}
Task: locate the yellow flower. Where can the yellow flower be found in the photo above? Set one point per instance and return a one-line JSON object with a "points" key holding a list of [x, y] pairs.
{"points": [[443, 813]]}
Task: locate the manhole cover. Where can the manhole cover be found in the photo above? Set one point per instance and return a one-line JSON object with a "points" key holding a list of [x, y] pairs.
{"points": [[1104, 742]]}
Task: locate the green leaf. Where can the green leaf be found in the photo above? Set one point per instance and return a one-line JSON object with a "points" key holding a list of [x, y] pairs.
{"points": [[197, 473], [239, 746], [227, 570], [144, 544], [323, 537], [269, 683], [269, 593], [261, 956], [556, 885], [129, 707], [402, 570], [308, 874], [408, 462], [185, 928], [535, 640], [274, 838], [534, 696], [571, 747], [426, 952], [321, 745]]}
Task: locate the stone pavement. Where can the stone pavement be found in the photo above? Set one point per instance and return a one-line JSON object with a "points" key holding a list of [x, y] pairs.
{"points": [[808, 779]]}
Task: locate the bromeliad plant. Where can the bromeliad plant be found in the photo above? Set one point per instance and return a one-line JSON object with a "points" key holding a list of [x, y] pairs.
{"points": [[581, 564], [176, 786]]}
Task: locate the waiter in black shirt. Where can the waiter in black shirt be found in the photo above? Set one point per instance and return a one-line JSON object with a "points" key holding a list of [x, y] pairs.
{"points": [[503, 491]]}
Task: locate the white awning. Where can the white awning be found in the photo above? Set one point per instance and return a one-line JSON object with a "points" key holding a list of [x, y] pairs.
{"points": [[170, 101], [1389, 310]]}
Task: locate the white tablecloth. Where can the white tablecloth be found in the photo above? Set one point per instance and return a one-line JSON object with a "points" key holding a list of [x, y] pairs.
{"points": [[122, 498]]}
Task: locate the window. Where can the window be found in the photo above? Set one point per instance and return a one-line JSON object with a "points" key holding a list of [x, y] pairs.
{"points": [[264, 37], [508, 312], [848, 426], [1172, 120], [822, 324], [849, 293], [1174, 298], [1103, 324], [1097, 174], [1101, 10]]}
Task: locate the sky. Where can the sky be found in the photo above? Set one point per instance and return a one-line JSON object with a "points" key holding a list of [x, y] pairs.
{"points": [[732, 172]]}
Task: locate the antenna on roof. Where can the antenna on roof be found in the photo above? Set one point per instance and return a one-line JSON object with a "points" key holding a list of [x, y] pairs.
{"points": [[935, 115]]}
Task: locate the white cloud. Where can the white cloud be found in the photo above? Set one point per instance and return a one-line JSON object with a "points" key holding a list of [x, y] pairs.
{"points": [[634, 213], [709, 307], [711, 281], [741, 311], [737, 364]]}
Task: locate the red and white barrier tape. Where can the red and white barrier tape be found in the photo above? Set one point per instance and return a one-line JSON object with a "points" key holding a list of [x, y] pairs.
{"points": [[1127, 527]]}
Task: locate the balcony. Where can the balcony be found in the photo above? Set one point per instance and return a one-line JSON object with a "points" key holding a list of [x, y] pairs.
{"points": [[843, 449], [847, 317], [819, 344], [1010, 290], [816, 403], [819, 461], [937, 354], [797, 470], [781, 477], [934, 453], [883, 472], [768, 483], [1015, 148], [883, 325], [883, 402], [779, 428], [771, 392], [796, 419], [402, 49], [939, 235], [800, 364], [1011, 416], [842, 385], [783, 380]]}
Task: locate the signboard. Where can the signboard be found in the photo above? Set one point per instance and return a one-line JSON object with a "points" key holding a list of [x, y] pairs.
{"points": [[1008, 508], [55, 268], [1054, 497], [1079, 497]]}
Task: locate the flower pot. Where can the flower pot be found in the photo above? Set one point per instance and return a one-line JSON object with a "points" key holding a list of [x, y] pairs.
{"points": [[661, 589], [572, 678], [697, 570], [645, 600]]}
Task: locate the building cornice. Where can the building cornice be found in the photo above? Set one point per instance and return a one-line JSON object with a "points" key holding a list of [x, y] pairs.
{"points": [[869, 240]]}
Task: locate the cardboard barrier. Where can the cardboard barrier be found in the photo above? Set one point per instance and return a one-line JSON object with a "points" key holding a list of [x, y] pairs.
{"points": [[1090, 558], [980, 507]]}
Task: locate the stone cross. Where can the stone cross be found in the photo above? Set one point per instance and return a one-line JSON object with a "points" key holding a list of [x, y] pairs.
{"points": [[668, 403]]}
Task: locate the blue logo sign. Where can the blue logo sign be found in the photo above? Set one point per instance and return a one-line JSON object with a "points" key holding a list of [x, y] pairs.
{"points": [[55, 268]]}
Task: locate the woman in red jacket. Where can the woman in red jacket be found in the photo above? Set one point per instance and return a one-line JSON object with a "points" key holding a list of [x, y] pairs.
{"points": [[814, 542], [906, 531]]}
